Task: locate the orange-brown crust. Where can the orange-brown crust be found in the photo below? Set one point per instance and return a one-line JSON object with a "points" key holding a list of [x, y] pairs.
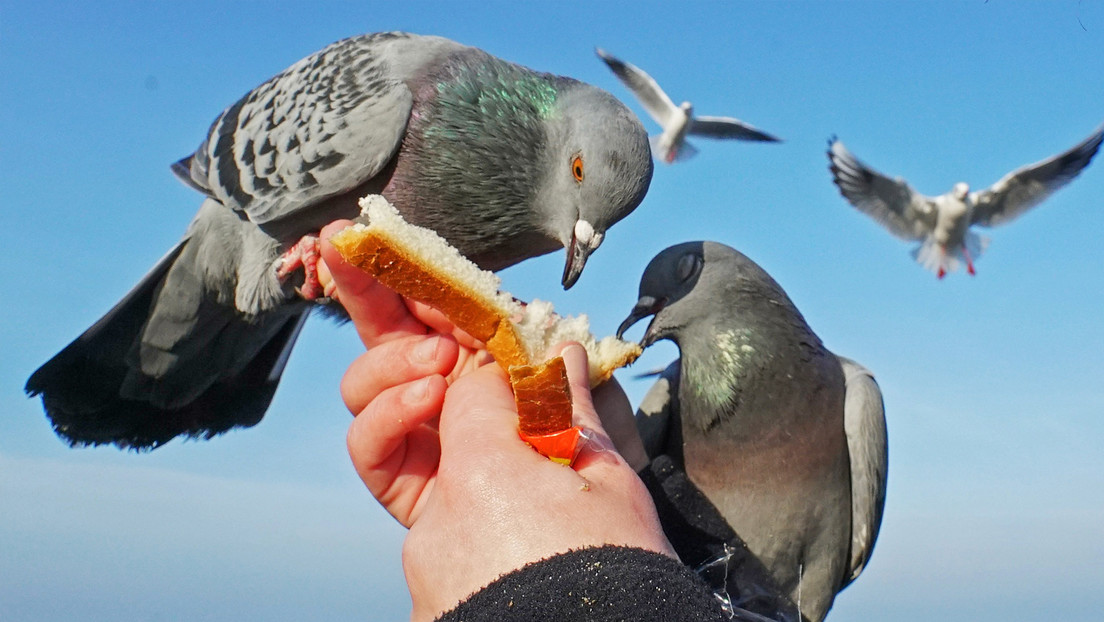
{"points": [[407, 276], [543, 396]]}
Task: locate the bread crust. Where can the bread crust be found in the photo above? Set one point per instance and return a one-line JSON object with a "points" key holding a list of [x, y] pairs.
{"points": [[543, 397], [402, 272]]}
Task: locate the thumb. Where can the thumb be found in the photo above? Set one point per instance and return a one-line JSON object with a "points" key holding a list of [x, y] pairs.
{"points": [[597, 447], [578, 377]]}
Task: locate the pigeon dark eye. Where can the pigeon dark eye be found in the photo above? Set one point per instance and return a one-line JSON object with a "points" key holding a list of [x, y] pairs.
{"points": [[688, 266], [577, 168]]}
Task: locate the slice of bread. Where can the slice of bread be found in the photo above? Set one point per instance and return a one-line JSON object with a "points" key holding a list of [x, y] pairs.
{"points": [[421, 265]]}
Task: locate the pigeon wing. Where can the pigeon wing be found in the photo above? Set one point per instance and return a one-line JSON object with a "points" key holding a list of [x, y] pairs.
{"points": [[324, 126], [1030, 185], [892, 202], [646, 89], [865, 426], [658, 412], [727, 127]]}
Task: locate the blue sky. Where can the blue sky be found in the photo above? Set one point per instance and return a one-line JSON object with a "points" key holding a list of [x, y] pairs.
{"points": [[992, 383]]}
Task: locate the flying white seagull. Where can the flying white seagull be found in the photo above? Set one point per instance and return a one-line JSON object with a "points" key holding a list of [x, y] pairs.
{"points": [[942, 224], [677, 121]]}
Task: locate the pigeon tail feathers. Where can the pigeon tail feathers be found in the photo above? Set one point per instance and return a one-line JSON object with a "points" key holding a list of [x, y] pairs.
{"points": [[124, 384]]}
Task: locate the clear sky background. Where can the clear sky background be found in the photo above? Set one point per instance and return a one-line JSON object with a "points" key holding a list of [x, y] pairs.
{"points": [[994, 385]]}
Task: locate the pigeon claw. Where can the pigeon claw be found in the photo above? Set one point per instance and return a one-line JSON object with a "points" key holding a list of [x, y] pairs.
{"points": [[303, 254]]}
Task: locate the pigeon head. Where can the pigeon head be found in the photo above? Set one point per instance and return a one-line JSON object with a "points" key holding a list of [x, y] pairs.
{"points": [[598, 168], [696, 284], [667, 291]]}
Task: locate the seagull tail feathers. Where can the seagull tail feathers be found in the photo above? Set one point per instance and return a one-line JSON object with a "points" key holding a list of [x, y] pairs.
{"points": [[669, 155], [939, 261]]}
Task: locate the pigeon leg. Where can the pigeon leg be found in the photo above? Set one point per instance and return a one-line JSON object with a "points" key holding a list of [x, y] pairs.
{"points": [[303, 254]]}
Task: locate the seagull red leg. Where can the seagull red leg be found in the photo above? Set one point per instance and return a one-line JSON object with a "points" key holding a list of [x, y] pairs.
{"points": [[969, 261]]}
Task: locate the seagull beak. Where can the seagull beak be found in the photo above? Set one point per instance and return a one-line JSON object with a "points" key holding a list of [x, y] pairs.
{"points": [[584, 241], [644, 307]]}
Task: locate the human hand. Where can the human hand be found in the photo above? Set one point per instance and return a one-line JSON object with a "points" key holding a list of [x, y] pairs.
{"points": [[481, 503]]}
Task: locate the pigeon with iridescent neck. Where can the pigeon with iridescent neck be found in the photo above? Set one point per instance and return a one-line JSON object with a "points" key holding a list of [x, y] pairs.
{"points": [[504, 162], [942, 224], [677, 121], [786, 439]]}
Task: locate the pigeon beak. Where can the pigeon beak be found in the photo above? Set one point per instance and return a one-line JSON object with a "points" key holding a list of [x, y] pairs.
{"points": [[644, 307], [584, 241]]}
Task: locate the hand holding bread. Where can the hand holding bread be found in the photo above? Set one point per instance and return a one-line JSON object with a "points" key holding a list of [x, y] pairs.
{"points": [[418, 264], [478, 502]]}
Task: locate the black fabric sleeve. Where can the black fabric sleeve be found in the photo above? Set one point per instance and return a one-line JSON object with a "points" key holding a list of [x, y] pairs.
{"points": [[706, 543], [691, 522], [608, 583]]}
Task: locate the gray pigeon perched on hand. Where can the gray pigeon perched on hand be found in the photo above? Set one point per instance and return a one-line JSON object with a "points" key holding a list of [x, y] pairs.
{"points": [[504, 162], [677, 121], [942, 224], [786, 439]]}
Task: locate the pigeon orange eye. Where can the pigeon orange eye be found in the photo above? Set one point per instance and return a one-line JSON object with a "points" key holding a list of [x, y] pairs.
{"points": [[577, 168]]}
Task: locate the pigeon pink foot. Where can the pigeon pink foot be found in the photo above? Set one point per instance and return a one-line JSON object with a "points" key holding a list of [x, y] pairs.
{"points": [[303, 254]]}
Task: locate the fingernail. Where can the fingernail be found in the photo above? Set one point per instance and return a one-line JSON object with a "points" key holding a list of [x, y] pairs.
{"points": [[575, 356], [416, 392], [426, 352], [574, 350]]}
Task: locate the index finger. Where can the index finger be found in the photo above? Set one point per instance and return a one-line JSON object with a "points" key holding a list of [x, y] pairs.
{"points": [[378, 313]]}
